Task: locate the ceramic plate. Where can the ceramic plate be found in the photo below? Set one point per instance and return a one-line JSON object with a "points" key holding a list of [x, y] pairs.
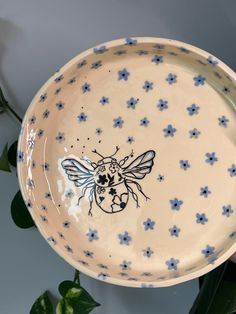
{"points": [[127, 162]]}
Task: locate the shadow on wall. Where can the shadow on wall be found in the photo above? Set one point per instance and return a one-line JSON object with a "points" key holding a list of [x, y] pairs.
{"points": [[9, 32], [210, 26]]}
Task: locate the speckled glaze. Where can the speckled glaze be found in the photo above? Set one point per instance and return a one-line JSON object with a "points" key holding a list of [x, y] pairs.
{"points": [[127, 162]]}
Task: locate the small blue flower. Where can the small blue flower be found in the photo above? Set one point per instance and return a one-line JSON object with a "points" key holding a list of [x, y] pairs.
{"points": [[147, 86], [201, 218], [60, 105], [169, 131], [130, 139], [162, 105], [40, 133], [131, 41], [57, 91], [157, 59], [194, 133], [204, 191], [45, 166], [124, 238], [174, 231], [223, 121], [69, 193], [209, 250], [149, 224], [199, 80], [226, 90], [131, 103], [148, 252], [160, 178], [29, 204], [86, 88], [96, 64], [103, 276], [120, 52], [172, 263], [212, 61], [32, 119], [88, 253], [68, 248], [82, 117], [81, 64], [118, 123], [142, 52], [20, 156], [43, 97], [171, 78], [193, 109], [211, 158], [46, 114], [72, 80], [104, 100], [184, 164], [176, 203], [232, 170], [92, 235], [158, 46], [125, 265], [144, 122], [52, 240], [227, 210], [60, 137], [98, 131], [100, 50], [184, 50], [59, 78], [66, 224], [123, 74], [48, 195]]}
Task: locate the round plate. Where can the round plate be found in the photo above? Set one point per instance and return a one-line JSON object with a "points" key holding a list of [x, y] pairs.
{"points": [[127, 162]]}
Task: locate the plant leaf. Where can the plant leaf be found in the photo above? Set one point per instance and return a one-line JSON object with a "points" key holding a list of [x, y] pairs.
{"points": [[76, 300], [64, 308], [218, 293], [42, 305], [12, 154], [20, 213], [64, 286], [225, 299], [4, 164]]}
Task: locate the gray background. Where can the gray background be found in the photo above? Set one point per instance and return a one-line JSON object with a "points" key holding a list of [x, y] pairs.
{"points": [[36, 38]]}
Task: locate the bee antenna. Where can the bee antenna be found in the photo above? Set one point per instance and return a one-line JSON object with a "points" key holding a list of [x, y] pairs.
{"points": [[94, 151], [117, 149]]}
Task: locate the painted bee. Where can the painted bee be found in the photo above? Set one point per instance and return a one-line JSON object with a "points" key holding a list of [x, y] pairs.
{"points": [[108, 181]]}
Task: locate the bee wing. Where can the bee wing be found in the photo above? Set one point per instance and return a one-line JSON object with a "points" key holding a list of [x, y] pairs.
{"points": [[141, 166], [77, 172]]}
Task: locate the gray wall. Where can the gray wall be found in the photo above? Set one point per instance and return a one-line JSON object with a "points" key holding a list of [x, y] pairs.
{"points": [[36, 38]]}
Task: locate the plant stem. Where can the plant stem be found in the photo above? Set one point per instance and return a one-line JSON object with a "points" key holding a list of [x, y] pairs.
{"points": [[76, 277], [7, 107]]}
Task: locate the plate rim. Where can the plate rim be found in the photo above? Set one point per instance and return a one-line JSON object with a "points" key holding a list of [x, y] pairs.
{"points": [[112, 280]]}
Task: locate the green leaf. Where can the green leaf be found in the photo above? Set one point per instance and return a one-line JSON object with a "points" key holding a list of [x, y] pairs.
{"points": [[42, 305], [64, 286], [20, 213], [225, 299], [12, 154], [218, 292], [63, 307], [4, 164], [76, 301]]}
